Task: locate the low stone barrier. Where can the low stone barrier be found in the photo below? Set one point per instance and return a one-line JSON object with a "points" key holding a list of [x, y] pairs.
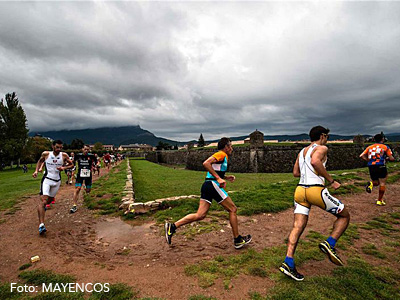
{"points": [[129, 195]]}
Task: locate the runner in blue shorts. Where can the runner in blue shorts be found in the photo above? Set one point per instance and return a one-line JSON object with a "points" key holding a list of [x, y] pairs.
{"points": [[213, 189]]}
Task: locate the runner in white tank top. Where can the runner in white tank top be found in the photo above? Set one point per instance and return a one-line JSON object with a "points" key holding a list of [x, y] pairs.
{"points": [[51, 181], [308, 175], [310, 167]]}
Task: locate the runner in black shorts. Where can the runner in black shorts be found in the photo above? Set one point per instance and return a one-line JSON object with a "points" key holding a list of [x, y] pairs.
{"points": [[213, 189], [85, 162], [376, 156]]}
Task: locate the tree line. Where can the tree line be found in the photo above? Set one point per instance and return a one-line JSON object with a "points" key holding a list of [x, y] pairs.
{"points": [[16, 146]]}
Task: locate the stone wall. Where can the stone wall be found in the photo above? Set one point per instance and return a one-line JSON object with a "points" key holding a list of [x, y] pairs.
{"points": [[267, 159]]}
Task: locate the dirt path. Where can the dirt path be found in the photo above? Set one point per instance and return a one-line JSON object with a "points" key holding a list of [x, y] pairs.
{"points": [[104, 249]]}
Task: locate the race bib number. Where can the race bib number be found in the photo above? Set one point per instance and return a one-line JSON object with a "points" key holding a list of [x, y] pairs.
{"points": [[85, 173]]}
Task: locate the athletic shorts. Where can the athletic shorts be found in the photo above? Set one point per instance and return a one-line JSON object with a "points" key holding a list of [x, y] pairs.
{"points": [[304, 197], [49, 187], [79, 181], [210, 190], [377, 172]]}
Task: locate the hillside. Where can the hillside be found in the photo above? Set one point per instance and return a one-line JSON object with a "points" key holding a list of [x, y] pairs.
{"points": [[108, 135]]}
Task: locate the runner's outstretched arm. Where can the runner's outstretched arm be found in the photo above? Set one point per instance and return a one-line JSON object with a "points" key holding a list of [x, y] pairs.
{"points": [[296, 168], [39, 164]]}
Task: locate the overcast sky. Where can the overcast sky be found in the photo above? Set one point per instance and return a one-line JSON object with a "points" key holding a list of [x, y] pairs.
{"points": [[179, 69]]}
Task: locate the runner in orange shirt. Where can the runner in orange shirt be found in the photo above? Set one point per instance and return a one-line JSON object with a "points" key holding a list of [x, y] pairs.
{"points": [[376, 156]]}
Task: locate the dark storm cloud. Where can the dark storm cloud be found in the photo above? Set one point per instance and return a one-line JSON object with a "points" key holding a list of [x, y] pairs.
{"points": [[179, 69]]}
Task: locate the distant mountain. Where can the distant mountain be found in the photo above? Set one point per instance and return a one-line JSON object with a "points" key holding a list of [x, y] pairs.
{"points": [[108, 135], [393, 137]]}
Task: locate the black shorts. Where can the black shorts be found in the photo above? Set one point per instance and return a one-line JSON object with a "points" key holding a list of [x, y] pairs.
{"points": [[88, 181], [210, 190], [377, 172]]}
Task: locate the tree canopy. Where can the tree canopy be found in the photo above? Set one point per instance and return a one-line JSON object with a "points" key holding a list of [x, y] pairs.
{"points": [[201, 142], [13, 129]]}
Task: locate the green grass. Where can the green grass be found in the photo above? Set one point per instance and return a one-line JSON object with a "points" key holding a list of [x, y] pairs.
{"points": [[383, 223], [107, 191], [14, 184], [118, 291], [357, 280], [25, 266], [371, 249], [40, 276]]}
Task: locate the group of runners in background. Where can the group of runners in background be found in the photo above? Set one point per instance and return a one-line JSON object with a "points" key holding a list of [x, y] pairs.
{"points": [[311, 190], [81, 167]]}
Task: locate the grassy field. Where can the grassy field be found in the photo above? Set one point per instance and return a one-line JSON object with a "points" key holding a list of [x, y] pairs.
{"points": [[14, 184], [154, 181]]}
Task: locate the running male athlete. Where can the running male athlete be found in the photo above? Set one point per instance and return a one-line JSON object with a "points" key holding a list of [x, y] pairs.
{"points": [[107, 160], [51, 181], [376, 155], [213, 188], [85, 162], [311, 190], [96, 168]]}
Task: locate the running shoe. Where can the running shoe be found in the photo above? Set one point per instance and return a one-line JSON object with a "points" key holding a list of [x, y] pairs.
{"points": [[73, 209], [54, 201], [42, 229], [291, 272], [330, 251], [170, 229], [380, 202], [47, 207], [369, 187], [240, 241]]}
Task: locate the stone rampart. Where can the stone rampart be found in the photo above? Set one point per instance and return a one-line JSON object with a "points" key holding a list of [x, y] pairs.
{"points": [[266, 159]]}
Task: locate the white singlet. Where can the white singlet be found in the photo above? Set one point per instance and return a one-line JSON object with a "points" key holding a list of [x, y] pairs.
{"points": [[308, 175], [51, 180]]}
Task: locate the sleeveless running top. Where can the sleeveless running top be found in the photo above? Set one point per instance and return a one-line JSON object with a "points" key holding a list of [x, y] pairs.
{"points": [[220, 167], [308, 175], [52, 163]]}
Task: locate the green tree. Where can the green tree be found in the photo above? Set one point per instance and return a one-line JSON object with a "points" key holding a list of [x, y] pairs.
{"points": [[201, 142], [14, 130], [163, 146], [34, 148], [98, 147], [77, 144]]}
